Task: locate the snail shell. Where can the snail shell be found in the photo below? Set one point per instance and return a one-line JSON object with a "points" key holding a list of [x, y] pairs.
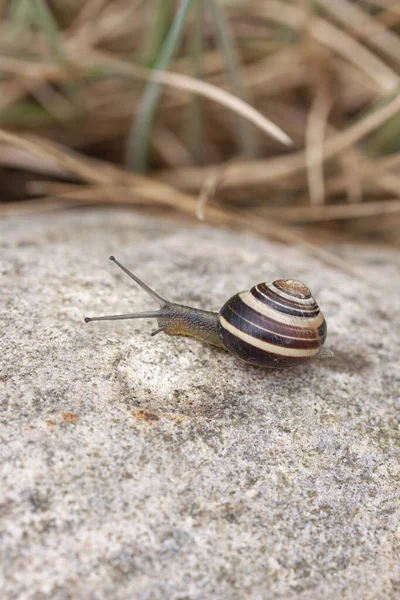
{"points": [[275, 324]]}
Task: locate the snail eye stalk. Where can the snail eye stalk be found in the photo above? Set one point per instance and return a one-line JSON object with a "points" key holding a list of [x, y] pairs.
{"points": [[142, 315], [143, 285]]}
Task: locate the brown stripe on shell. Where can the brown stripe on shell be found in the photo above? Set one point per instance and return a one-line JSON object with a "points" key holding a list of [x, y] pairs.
{"points": [[267, 296], [322, 332], [269, 290], [256, 325], [257, 356], [276, 315], [293, 288], [297, 329]]}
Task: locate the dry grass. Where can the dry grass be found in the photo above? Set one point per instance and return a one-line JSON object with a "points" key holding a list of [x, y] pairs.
{"points": [[278, 116]]}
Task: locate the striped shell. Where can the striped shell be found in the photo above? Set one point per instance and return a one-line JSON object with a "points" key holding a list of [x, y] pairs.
{"points": [[275, 324]]}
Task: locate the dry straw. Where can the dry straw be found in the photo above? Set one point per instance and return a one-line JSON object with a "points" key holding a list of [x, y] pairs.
{"points": [[264, 115]]}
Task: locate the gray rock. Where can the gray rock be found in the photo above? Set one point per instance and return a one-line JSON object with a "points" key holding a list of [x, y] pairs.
{"points": [[156, 468]]}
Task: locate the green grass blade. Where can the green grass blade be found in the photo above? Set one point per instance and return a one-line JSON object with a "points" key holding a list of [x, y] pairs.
{"points": [[227, 43], [20, 14], [47, 23], [164, 10], [139, 136], [195, 127]]}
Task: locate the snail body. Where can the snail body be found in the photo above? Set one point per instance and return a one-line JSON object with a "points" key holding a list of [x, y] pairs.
{"points": [[271, 325]]}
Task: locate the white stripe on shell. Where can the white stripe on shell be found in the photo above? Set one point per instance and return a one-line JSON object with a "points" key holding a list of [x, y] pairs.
{"points": [[289, 337], [304, 308], [287, 296], [276, 315], [266, 346]]}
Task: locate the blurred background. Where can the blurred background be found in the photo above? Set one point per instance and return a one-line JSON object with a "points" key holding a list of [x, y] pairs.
{"points": [[280, 117]]}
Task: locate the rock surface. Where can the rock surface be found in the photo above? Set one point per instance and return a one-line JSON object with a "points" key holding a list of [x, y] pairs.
{"points": [[148, 468]]}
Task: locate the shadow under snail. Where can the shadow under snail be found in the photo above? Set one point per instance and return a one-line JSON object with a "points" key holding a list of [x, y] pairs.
{"points": [[275, 324]]}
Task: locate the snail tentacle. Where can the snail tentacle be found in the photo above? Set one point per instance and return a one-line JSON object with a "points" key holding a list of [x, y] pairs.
{"points": [[143, 285]]}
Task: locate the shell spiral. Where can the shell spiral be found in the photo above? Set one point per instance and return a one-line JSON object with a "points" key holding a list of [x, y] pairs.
{"points": [[275, 324]]}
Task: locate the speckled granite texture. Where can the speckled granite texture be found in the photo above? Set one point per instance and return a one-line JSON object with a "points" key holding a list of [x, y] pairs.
{"points": [[148, 468]]}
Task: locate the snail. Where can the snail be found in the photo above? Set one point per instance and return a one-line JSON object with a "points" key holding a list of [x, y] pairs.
{"points": [[275, 324]]}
